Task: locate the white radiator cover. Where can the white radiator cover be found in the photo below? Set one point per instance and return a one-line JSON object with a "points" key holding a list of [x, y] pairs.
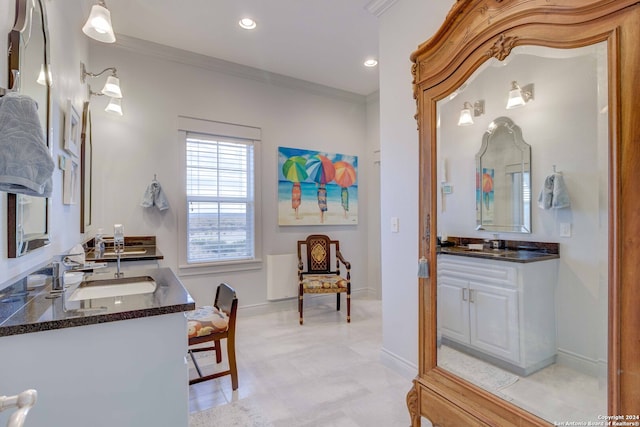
{"points": [[282, 276]]}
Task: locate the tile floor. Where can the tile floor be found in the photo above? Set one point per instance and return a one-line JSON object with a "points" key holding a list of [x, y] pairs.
{"points": [[325, 373], [328, 373]]}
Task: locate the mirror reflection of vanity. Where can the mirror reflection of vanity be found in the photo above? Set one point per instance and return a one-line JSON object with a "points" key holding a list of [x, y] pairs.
{"points": [[484, 312], [28, 221]]}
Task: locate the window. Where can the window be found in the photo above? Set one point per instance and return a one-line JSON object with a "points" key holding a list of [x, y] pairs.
{"points": [[220, 199]]}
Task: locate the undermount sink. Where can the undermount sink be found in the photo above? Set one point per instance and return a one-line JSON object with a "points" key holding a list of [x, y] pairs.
{"points": [[132, 251], [105, 288]]}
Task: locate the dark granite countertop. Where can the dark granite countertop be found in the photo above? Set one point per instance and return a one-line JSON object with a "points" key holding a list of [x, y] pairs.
{"points": [[25, 310], [507, 254]]}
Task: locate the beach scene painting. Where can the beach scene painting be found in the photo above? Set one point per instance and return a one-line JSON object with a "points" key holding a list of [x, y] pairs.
{"points": [[317, 188]]}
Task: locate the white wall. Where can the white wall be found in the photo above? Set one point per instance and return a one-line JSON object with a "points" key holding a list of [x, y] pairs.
{"points": [[161, 83], [402, 28], [68, 47]]}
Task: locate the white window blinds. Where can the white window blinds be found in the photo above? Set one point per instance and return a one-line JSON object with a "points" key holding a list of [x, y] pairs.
{"points": [[220, 198]]}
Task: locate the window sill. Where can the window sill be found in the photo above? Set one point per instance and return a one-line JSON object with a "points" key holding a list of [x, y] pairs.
{"points": [[219, 267]]}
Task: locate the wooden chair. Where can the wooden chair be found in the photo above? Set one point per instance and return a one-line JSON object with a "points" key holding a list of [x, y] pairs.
{"points": [[215, 323], [318, 277]]}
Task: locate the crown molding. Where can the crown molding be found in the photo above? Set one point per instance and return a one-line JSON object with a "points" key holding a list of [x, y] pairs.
{"points": [[378, 7], [168, 53]]}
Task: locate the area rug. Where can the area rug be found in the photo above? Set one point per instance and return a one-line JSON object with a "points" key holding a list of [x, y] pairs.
{"points": [[474, 370], [235, 414]]}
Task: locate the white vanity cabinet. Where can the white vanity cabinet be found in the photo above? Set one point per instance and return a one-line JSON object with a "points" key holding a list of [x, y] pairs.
{"points": [[501, 311]]}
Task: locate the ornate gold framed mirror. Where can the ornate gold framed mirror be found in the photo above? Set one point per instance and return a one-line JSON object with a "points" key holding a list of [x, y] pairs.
{"points": [[583, 57]]}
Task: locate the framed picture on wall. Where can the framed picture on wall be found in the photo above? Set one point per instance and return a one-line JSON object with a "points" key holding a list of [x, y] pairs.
{"points": [[72, 129], [317, 188]]}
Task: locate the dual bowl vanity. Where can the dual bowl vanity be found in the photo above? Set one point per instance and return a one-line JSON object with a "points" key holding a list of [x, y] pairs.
{"points": [[109, 350]]}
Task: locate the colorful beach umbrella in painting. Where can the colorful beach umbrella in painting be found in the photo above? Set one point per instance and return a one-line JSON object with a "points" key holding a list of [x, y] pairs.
{"points": [[487, 188], [321, 171], [294, 170], [345, 177], [345, 174]]}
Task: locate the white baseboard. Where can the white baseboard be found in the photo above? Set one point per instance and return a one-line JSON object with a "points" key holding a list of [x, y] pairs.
{"points": [[399, 365], [581, 363], [310, 300]]}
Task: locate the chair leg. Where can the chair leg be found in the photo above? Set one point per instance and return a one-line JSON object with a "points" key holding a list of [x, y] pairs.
{"points": [[349, 306], [218, 351], [338, 301], [300, 306], [233, 368]]}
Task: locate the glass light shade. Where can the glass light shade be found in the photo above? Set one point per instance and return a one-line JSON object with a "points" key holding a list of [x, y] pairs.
{"points": [[114, 106], [515, 99], [466, 116], [98, 25], [112, 87], [44, 77]]}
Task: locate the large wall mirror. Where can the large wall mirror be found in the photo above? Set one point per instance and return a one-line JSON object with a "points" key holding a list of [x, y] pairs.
{"points": [[571, 89], [86, 167], [28, 217], [479, 366]]}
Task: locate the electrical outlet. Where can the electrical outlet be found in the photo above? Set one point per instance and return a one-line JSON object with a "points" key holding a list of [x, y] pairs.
{"points": [[565, 229]]}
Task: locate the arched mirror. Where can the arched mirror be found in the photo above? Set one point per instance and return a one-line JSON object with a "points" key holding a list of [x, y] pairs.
{"points": [[525, 335], [28, 217]]}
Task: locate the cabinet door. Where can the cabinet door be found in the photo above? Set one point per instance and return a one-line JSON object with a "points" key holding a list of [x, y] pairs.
{"points": [[494, 320], [453, 308]]}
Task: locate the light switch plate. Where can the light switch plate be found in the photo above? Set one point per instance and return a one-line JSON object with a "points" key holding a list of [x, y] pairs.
{"points": [[565, 229], [395, 224]]}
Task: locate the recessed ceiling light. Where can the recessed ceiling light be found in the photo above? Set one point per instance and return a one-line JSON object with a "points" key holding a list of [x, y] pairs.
{"points": [[247, 23], [370, 63]]}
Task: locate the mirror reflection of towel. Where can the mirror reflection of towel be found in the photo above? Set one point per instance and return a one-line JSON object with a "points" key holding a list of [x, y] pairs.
{"points": [[26, 166], [154, 196], [554, 194]]}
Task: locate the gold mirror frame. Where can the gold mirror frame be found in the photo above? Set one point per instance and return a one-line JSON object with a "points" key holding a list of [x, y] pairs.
{"points": [[473, 32]]}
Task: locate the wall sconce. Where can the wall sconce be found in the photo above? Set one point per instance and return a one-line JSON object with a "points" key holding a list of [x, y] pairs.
{"points": [[111, 88], [113, 107], [98, 25], [519, 96], [469, 111]]}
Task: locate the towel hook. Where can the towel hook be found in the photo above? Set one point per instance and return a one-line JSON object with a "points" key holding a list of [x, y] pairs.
{"points": [[554, 168]]}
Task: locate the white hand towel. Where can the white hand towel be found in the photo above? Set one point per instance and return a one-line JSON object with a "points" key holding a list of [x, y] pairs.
{"points": [[26, 166]]}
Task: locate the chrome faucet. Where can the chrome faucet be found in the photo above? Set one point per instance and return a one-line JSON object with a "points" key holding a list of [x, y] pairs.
{"points": [[60, 265], [118, 245]]}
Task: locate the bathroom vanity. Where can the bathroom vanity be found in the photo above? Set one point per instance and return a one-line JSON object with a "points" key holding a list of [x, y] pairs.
{"points": [[498, 310], [100, 360]]}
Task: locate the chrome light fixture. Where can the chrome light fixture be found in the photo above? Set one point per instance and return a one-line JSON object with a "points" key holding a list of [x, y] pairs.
{"points": [[519, 96], [98, 25], [111, 87], [469, 111]]}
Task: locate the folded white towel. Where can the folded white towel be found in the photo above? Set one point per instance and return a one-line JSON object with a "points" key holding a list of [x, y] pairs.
{"points": [[554, 194], [154, 196], [26, 166]]}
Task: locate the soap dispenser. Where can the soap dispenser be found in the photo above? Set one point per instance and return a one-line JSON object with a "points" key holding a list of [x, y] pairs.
{"points": [[99, 242]]}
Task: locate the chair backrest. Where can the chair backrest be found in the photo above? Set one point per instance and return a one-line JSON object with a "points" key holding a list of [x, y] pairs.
{"points": [[227, 302], [318, 252]]}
